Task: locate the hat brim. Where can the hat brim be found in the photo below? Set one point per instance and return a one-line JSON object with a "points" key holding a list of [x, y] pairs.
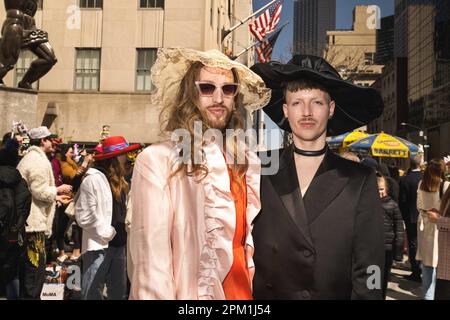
{"points": [[173, 63], [104, 156], [356, 106], [50, 136]]}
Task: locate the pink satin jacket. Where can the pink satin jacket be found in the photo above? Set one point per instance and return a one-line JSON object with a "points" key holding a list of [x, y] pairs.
{"points": [[182, 229]]}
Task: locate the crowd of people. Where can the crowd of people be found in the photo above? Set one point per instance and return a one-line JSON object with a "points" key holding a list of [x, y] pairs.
{"points": [[414, 202], [168, 226], [48, 199]]}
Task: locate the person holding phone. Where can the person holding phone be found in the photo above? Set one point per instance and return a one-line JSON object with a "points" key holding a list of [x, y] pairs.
{"points": [[442, 219], [431, 190]]}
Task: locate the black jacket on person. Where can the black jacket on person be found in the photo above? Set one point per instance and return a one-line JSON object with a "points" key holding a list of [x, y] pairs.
{"points": [[324, 245], [392, 184], [393, 228], [394, 188], [408, 196], [15, 201], [118, 221]]}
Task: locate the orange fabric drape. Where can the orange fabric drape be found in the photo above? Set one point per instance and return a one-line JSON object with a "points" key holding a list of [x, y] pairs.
{"points": [[237, 284]]}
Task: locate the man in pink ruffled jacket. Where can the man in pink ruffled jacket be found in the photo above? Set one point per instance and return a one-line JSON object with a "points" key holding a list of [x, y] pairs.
{"points": [[195, 195]]}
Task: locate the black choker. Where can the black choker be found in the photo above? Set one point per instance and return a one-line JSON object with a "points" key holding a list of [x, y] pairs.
{"points": [[306, 153]]}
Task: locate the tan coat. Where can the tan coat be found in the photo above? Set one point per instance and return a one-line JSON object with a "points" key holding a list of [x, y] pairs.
{"points": [[69, 169], [427, 232]]}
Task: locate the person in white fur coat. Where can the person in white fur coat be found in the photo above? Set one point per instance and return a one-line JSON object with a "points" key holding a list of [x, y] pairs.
{"points": [[36, 169]]}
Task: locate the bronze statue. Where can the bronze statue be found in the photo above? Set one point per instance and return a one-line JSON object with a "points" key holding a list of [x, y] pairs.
{"points": [[19, 32]]}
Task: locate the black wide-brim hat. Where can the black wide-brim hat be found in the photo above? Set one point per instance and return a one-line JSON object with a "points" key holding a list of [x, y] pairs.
{"points": [[356, 105]]}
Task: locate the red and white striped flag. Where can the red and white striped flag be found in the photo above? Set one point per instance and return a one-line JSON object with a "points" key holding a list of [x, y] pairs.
{"points": [[267, 22], [265, 50]]}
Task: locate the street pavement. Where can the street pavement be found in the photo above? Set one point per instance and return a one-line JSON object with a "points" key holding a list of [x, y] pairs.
{"points": [[400, 288]]}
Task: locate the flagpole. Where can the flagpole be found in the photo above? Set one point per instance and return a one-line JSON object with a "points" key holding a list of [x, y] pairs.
{"points": [[225, 33], [245, 50], [256, 43]]}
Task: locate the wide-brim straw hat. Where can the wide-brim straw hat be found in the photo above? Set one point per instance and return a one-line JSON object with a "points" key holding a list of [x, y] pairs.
{"points": [[172, 64]]}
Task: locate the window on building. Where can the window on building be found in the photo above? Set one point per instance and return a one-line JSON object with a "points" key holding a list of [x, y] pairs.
{"points": [[145, 60], [211, 13], [151, 4], [91, 4], [87, 69], [23, 64]]}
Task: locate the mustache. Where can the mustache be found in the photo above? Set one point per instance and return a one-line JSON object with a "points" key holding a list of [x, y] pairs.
{"points": [[216, 106], [307, 120]]}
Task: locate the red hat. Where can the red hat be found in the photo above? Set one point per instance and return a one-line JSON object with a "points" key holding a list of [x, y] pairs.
{"points": [[114, 147], [98, 148]]}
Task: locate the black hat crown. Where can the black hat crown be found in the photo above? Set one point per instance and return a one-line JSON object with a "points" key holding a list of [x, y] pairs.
{"points": [[315, 63]]}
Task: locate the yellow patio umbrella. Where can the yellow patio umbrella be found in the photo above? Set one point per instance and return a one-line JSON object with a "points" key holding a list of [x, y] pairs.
{"points": [[385, 145], [346, 139]]}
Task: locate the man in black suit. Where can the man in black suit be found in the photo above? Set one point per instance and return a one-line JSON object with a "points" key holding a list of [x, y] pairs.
{"points": [[408, 206], [320, 232]]}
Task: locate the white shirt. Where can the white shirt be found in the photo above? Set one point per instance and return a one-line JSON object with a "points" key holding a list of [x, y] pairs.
{"points": [[93, 211]]}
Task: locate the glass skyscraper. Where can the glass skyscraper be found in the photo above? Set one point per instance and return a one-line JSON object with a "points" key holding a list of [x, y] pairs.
{"points": [[312, 20], [429, 70]]}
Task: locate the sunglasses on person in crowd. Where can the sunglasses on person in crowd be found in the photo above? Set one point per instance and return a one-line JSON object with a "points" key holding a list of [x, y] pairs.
{"points": [[207, 89]]}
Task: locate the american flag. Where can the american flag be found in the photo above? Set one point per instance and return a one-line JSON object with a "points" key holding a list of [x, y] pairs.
{"points": [[265, 50], [267, 22]]}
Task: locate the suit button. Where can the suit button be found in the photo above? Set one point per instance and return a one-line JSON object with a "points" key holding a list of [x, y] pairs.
{"points": [[269, 286], [306, 295], [307, 253], [275, 248]]}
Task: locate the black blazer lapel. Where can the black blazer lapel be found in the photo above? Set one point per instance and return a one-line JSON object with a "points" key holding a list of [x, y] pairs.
{"points": [[326, 185], [286, 185]]}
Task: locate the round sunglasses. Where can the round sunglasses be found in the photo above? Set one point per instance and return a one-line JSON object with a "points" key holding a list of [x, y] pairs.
{"points": [[207, 89]]}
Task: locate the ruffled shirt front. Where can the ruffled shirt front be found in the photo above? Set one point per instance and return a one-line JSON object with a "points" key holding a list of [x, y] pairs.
{"points": [[182, 231]]}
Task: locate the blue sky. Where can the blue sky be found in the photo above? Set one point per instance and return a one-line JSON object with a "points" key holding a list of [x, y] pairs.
{"points": [[344, 11], [344, 19]]}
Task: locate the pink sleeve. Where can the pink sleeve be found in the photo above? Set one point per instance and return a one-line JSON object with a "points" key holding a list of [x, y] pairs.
{"points": [[253, 178], [150, 235]]}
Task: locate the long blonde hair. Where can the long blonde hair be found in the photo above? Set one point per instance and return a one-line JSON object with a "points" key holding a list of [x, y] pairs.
{"points": [[185, 111]]}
